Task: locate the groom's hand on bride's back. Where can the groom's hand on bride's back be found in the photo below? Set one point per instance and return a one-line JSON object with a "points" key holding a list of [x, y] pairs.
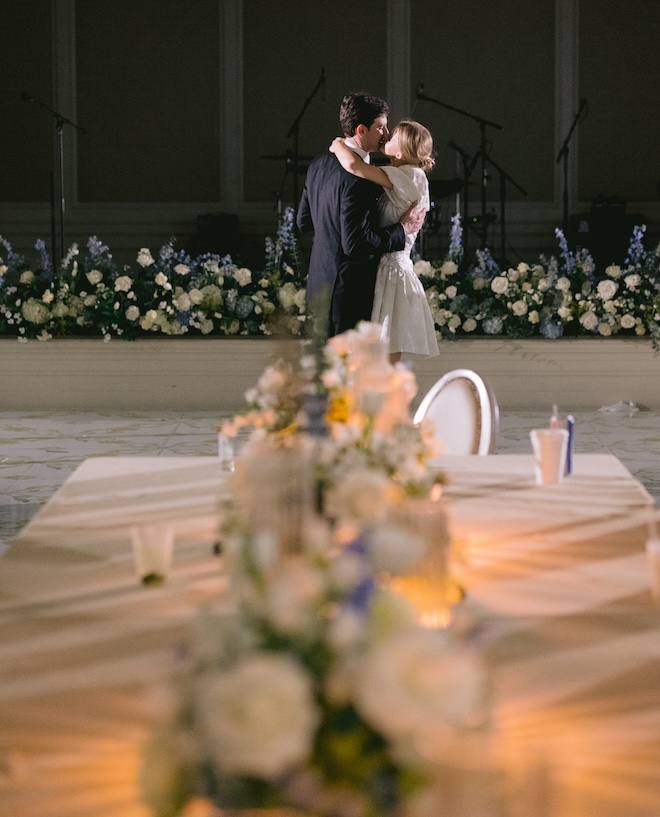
{"points": [[413, 218]]}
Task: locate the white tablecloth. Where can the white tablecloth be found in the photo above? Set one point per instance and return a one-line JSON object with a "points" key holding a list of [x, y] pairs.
{"points": [[556, 575]]}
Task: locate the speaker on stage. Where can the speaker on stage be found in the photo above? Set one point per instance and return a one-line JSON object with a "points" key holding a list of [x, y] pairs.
{"points": [[217, 233], [605, 231]]}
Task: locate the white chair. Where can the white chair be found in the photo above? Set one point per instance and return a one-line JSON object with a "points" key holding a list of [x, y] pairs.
{"points": [[464, 413]]}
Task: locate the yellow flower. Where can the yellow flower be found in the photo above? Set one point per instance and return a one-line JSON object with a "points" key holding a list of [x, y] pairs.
{"points": [[337, 411]]}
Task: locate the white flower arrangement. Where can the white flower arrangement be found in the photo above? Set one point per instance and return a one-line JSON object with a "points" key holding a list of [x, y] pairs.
{"points": [[310, 686]]}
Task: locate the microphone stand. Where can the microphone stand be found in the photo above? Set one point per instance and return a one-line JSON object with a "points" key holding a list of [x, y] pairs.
{"points": [[60, 122], [563, 154], [466, 160], [483, 123], [504, 177], [294, 131]]}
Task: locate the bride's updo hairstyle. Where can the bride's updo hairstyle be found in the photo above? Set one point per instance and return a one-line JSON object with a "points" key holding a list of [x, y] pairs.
{"points": [[416, 144]]}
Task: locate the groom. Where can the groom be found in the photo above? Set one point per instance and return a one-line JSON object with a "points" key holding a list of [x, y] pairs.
{"points": [[342, 210]]}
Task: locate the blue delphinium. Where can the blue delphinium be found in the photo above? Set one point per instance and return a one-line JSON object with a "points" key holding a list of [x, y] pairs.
{"points": [[566, 254], [96, 248], [455, 252], [551, 329], [486, 266], [46, 264], [636, 251]]}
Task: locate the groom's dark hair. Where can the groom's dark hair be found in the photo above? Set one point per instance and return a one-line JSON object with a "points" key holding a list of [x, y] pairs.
{"points": [[360, 109]]}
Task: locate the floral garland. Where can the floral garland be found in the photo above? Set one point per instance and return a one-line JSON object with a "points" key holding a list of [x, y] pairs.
{"points": [[554, 297], [173, 294], [169, 294]]}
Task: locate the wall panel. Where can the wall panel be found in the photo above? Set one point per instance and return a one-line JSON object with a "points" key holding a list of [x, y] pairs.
{"points": [[286, 43], [619, 71], [27, 132], [495, 60], [148, 95]]}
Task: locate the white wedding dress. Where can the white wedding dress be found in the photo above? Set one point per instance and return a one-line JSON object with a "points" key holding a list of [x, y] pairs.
{"points": [[400, 303]]}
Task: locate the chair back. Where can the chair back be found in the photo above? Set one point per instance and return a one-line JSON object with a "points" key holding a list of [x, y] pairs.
{"points": [[464, 413]]}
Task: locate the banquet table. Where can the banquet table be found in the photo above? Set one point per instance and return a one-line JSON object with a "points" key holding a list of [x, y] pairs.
{"points": [[556, 581]]}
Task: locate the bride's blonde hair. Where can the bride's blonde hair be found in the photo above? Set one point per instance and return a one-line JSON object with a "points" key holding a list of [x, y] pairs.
{"points": [[416, 144]]}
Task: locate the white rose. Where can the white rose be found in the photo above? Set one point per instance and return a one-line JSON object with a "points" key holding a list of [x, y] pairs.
{"points": [[206, 326], [519, 308], [94, 277], [292, 596], [564, 312], [300, 298], [627, 321], [145, 258], [604, 329], [90, 300], [448, 268], [589, 320], [607, 289], [479, 283], [362, 496], [196, 296], [182, 269], [286, 295], [412, 685], [563, 284], [613, 271], [27, 277], [132, 313], [259, 716], [451, 292], [523, 268], [423, 268], [543, 285], [500, 284], [513, 274], [48, 296], [469, 325], [182, 301], [632, 281], [243, 276], [454, 322], [161, 279], [533, 316], [123, 283]]}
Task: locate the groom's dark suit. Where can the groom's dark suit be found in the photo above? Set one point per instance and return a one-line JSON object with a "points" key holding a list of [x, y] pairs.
{"points": [[342, 209]]}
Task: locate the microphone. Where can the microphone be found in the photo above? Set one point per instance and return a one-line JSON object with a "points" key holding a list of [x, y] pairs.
{"points": [[26, 97], [418, 90]]}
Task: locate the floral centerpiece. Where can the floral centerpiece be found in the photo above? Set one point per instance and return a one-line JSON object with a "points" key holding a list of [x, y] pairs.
{"points": [[312, 687], [366, 425]]}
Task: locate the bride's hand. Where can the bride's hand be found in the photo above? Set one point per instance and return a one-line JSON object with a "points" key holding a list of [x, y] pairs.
{"points": [[338, 141]]}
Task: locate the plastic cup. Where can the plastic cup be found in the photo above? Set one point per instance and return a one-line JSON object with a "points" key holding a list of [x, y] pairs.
{"points": [[549, 446], [152, 548]]}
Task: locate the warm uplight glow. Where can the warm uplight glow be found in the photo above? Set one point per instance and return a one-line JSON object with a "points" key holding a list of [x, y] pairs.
{"points": [[428, 596]]}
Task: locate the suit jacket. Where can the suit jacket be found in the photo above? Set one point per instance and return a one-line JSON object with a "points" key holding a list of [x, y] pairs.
{"points": [[342, 210]]}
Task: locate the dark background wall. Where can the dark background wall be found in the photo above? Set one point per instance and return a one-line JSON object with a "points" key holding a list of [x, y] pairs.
{"points": [[182, 101]]}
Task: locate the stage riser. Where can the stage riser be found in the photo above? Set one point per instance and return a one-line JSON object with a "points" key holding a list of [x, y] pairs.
{"points": [[212, 374]]}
